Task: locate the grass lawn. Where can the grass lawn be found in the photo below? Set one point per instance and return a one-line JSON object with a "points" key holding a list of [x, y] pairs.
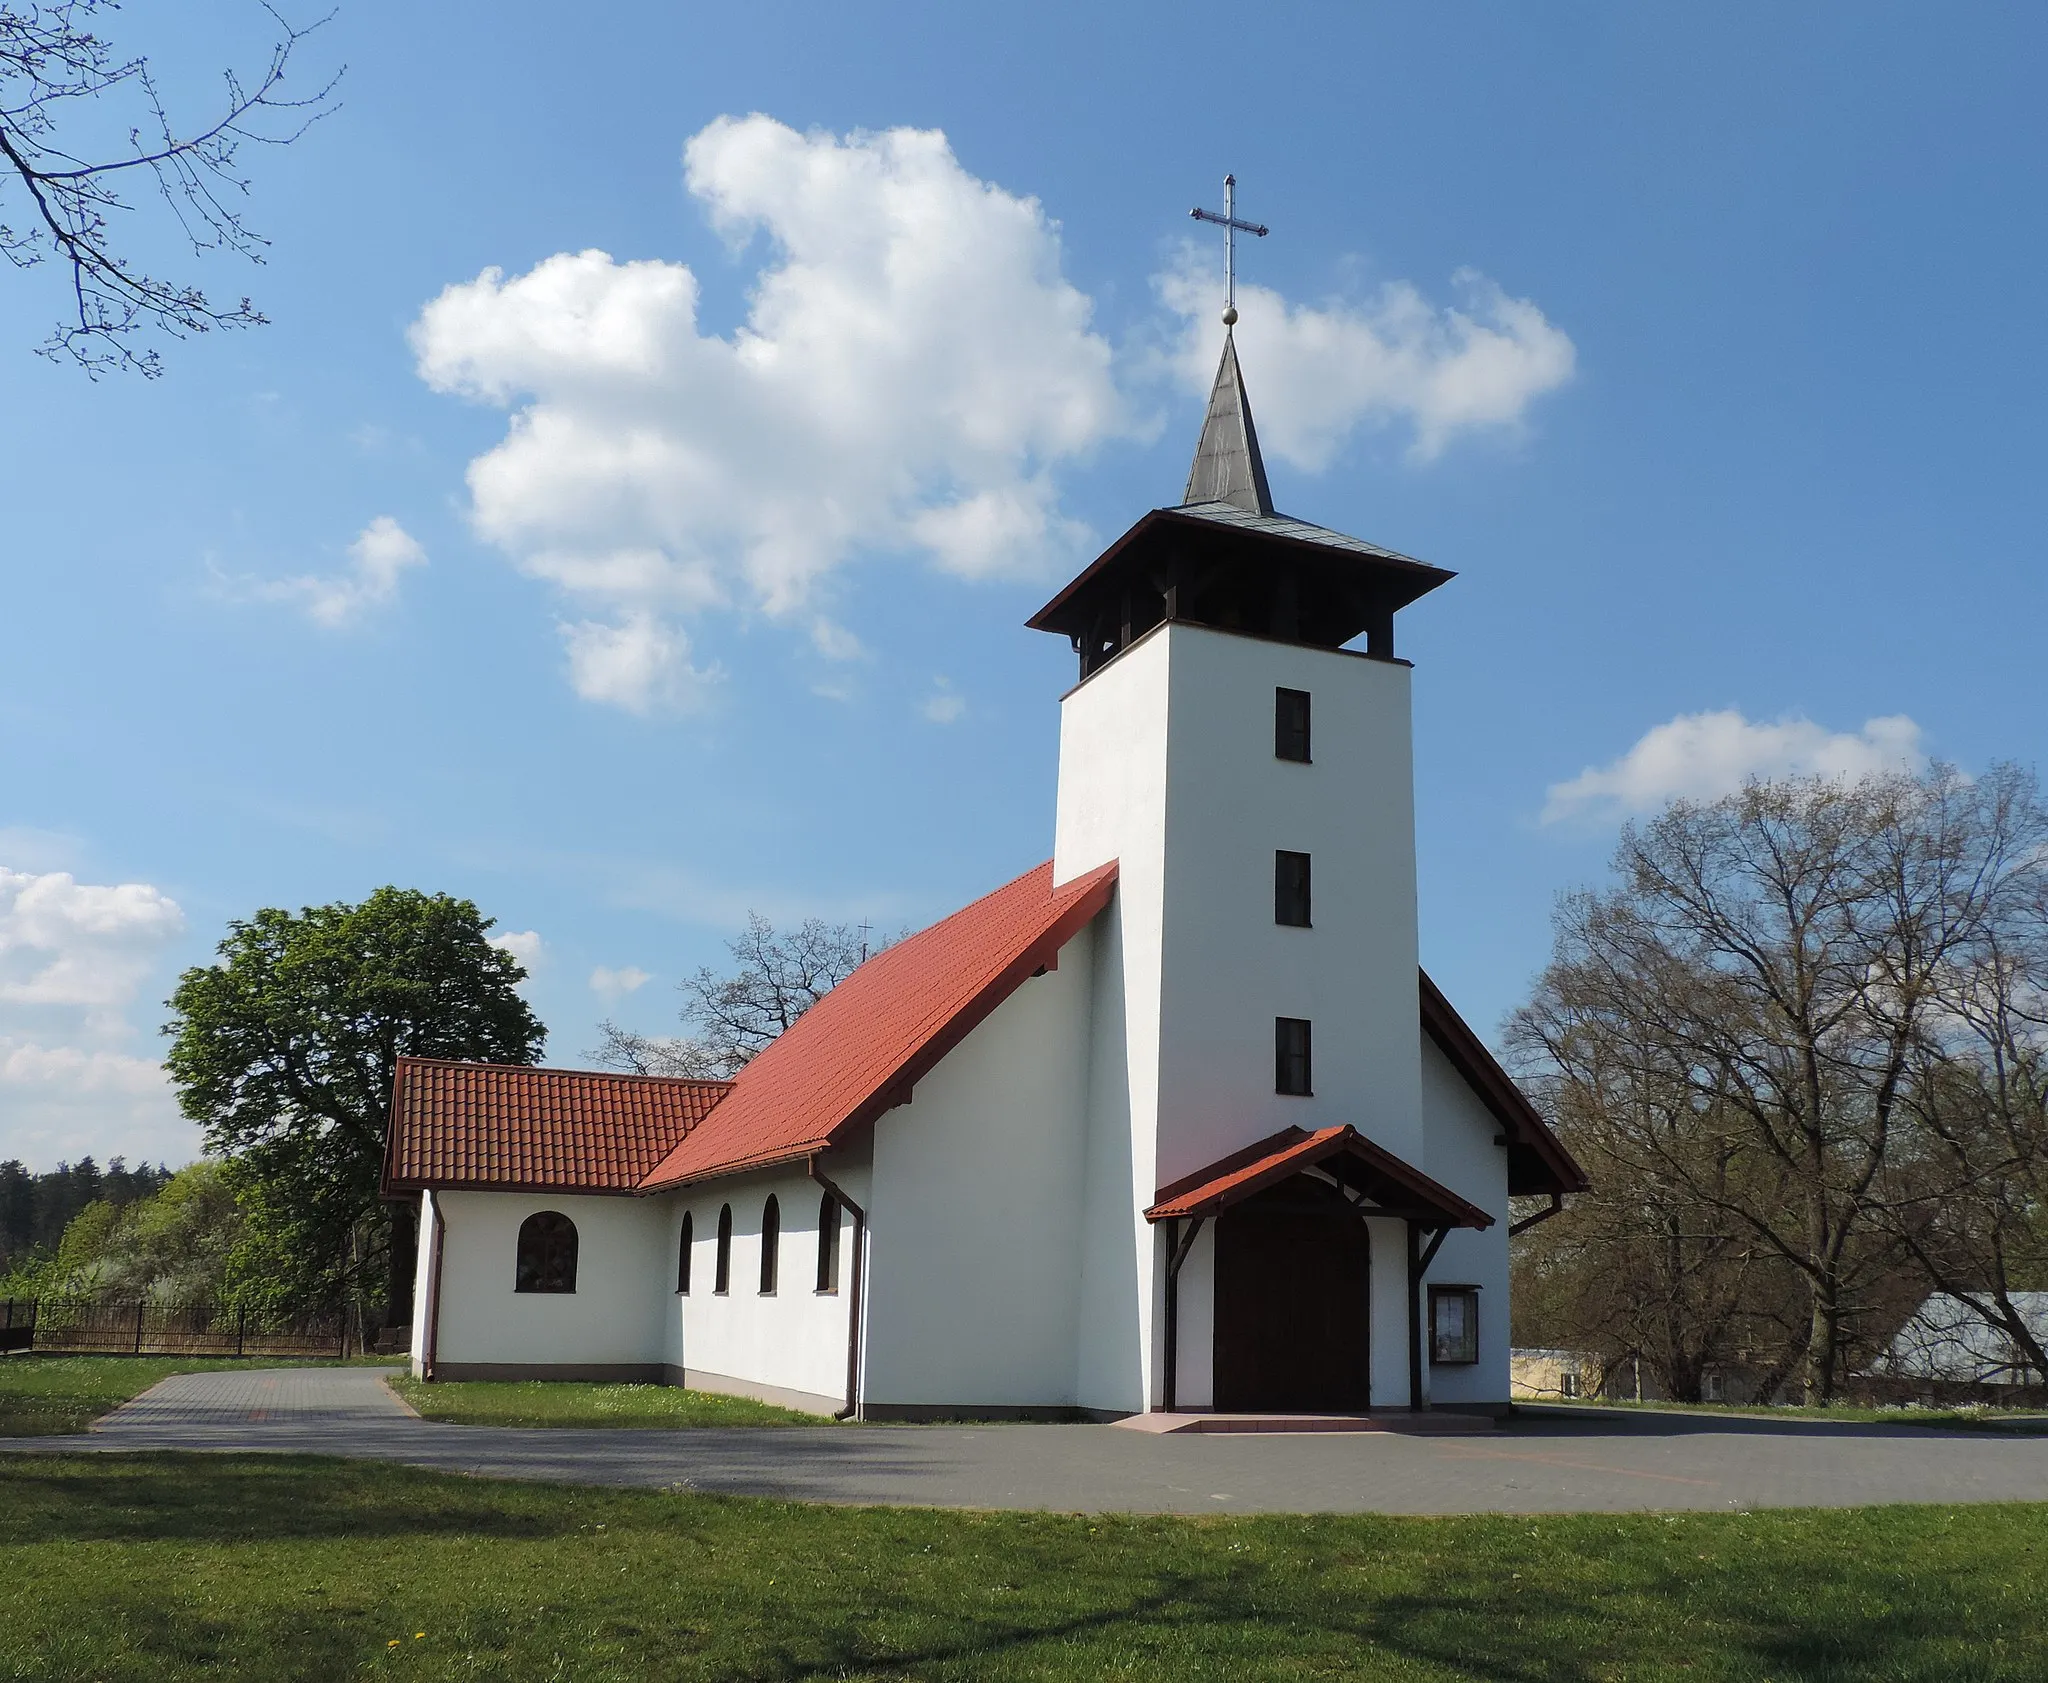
{"points": [[2016, 1420], [550, 1402], [169, 1568], [42, 1395]]}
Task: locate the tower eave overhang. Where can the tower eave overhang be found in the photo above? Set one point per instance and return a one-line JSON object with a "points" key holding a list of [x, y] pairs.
{"points": [[1205, 535]]}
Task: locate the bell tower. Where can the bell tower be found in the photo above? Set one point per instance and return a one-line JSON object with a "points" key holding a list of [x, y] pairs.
{"points": [[1250, 767]]}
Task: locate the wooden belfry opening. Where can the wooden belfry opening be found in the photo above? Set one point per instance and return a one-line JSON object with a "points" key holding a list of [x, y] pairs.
{"points": [[1292, 1321]]}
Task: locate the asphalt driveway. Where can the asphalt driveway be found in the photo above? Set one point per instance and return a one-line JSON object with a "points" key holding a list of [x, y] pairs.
{"points": [[1555, 1462]]}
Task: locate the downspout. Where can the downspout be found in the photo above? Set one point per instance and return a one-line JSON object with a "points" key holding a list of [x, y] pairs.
{"points": [[860, 1232], [430, 1350]]}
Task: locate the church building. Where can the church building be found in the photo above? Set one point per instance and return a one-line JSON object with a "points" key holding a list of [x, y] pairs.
{"points": [[1173, 1122]]}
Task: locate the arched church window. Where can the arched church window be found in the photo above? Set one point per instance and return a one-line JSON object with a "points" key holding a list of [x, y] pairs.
{"points": [[722, 1279], [828, 1243], [683, 1254], [771, 1243], [547, 1253]]}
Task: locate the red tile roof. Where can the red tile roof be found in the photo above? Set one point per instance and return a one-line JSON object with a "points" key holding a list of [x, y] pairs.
{"points": [[860, 1049], [494, 1125], [1384, 1178]]}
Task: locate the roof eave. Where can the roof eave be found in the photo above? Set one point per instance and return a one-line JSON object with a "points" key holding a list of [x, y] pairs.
{"points": [[1496, 1089]]}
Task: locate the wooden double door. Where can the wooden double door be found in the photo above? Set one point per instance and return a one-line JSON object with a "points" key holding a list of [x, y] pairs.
{"points": [[1293, 1293]]}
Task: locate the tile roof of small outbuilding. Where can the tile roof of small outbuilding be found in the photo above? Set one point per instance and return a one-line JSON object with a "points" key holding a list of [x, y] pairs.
{"points": [[499, 1125]]}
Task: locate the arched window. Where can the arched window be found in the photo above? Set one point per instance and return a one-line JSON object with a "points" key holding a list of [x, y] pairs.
{"points": [[683, 1255], [547, 1252], [771, 1242], [828, 1243], [722, 1281]]}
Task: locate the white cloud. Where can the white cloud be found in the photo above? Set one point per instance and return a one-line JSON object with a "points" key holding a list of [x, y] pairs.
{"points": [[523, 944], [1317, 373], [911, 368], [641, 663], [613, 985], [73, 957], [943, 706], [382, 551], [1702, 756], [835, 642], [72, 944]]}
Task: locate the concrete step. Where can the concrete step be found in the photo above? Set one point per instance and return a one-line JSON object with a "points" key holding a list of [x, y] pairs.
{"points": [[1426, 1422]]}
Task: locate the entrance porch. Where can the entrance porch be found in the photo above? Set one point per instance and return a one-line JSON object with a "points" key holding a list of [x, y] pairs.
{"points": [[1297, 1223]]}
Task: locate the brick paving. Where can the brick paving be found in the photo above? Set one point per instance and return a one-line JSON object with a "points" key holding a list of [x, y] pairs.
{"points": [[1555, 1461]]}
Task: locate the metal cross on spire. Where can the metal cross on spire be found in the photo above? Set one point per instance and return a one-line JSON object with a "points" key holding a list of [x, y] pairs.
{"points": [[1231, 226]]}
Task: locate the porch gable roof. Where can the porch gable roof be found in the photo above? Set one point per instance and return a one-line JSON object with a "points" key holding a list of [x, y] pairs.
{"points": [[1398, 1187]]}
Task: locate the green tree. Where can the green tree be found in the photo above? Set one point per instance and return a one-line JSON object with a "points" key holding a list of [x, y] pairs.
{"points": [[285, 1050]]}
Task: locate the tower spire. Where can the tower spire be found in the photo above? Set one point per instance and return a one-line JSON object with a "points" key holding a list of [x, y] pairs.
{"points": [[1228, 467]]}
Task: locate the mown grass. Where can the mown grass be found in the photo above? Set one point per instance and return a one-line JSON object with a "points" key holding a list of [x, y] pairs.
{"points": [[175, 1568], [45, 1395], [2016, 1420], [554, 1402]]}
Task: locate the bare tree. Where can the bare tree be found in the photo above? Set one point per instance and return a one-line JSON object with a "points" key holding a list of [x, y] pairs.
{"points": [[778, 976], [654, 1054], [54, 70], [1782, 956]]}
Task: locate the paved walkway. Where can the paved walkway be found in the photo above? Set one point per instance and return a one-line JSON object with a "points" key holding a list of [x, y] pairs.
{"points": [[1559, 1462]]}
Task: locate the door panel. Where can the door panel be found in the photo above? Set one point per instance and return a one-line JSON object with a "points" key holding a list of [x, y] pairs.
{"points": [[1293, 1285]]}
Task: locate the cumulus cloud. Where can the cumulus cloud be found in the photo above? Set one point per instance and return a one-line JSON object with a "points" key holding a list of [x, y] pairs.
{"points": [[72, 944], [911, 369], [1393, 358], [381, 553], [523, 944], [1702, 756], [73, 957], [943, 706], [613, 985]]}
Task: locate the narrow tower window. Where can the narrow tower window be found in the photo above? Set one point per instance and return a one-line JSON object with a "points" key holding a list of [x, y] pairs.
{"points": [[771, 1242], [1290, 725], [1290, 1056], [683, 1254], [547, 1253], [828, 1243], [721, 1279], [1290, 888]]}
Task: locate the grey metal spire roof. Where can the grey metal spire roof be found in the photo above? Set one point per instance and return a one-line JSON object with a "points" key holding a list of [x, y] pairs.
{"points": [[1228, 467]]}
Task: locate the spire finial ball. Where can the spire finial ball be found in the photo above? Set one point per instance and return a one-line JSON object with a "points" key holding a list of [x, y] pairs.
{"points": [[1230, 315]]}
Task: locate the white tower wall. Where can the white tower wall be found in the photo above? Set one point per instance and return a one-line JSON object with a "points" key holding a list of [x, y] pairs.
{"points": [[1167, 764]]}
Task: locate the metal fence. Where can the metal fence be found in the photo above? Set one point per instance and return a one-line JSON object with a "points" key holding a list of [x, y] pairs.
{"points": [[102, 1326]]}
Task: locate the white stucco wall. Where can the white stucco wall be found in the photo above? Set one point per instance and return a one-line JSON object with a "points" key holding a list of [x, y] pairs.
{"points": [[1112, 805], [612, 1319], [423, 1282], [1167, 765], [792, 1342], [1459, 1132], [975, 1263]]}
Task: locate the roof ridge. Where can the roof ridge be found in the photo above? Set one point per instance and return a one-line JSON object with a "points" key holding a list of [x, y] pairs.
{"points": [[416, 1059]]}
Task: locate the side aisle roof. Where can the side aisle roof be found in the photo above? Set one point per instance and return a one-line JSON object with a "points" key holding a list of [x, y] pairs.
{"points": [[860, 1049]]}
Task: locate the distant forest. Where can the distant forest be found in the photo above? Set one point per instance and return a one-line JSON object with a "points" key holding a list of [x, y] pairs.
{"points": [[35, 1209]]}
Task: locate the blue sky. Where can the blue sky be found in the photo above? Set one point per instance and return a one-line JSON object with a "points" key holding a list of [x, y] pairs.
{"points": [[1703, 344]]}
